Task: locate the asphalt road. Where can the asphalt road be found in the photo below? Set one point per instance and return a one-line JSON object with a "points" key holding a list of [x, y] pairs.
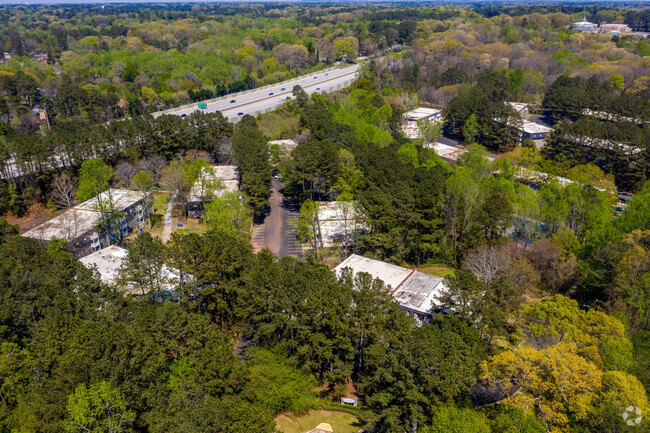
{"points": [[268, 98], [276, 231]]}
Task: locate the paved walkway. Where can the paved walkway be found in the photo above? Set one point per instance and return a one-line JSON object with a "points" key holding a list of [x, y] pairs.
{"points": [[167, 231], [277, 233]]}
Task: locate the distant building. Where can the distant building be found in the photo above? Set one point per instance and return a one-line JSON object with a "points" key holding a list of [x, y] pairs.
{"points": [[415, 291], [585, 26], [430, 114], [448, 153], [601, 143], [410, 127], [41, 58], [109, 261], [613, 117], [519, 107], [213, 181], [614, 29], [286, 146], [535, 131], [79, 225], [338, 221], [451, 153], [6, 56]]}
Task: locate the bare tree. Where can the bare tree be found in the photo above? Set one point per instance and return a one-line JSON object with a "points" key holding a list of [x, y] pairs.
{"points": [[124, 171], [70, 226], [65, 191], [224, 150], [486, 262], [153, 164]]}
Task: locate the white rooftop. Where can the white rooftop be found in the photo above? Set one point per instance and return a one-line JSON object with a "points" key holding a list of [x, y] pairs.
{"points": [[415, 291], [336, 219], [286, 145], [109, 261], [226, 173], [535, 128], [421, 113], [448, 152], [518, 106], [82, 218], [391, 275]]}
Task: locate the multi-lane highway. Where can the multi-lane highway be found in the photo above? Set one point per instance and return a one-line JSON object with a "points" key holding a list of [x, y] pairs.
{"points": [[269, 97]]}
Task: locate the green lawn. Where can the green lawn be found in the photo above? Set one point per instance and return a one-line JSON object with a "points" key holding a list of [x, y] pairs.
{"points": [[341, 422], [437, 270]]}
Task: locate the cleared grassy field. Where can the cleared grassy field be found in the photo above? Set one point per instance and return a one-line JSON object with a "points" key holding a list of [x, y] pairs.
{"points": [[437, 270], [341, 422]]}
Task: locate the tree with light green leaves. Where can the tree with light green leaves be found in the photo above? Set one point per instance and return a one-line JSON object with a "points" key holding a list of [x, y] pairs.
{"points": [[308, 226], [143, 268], [94, 178], [98, 409], [143, 182], [228, 214]]}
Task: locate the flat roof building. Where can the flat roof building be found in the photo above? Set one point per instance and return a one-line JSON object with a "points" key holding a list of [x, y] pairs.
{"points": [[535, 131], [519, 107], [286, 146], [431, 114], [213, 181], [79, 224], [338, 220], [614, 29], [415, 291], [109, 261]]}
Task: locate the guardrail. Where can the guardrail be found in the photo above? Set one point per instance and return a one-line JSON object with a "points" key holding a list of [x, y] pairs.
{"points": [[230, 96]]}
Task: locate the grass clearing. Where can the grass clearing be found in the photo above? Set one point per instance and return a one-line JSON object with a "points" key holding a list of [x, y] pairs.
{"points": [[440, 271], [190, 225], [341, 422]]}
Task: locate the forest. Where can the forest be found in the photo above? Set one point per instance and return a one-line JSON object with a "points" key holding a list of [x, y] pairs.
{"points": [[543, 324]]}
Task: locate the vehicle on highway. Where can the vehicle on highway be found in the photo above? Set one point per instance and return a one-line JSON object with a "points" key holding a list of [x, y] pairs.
{"points": [[282, 89], [317, 88], [184, 114], [315, 77], [240, 114], [270, 93], [232, 101], [326, 74]]}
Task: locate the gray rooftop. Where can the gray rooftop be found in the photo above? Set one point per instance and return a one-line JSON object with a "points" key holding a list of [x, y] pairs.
{"points": [[415, 291], [82, 218], [226, 173], [108, 263]]}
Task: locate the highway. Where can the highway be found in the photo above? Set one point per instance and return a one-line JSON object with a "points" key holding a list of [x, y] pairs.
{"points": [[269, 97]]}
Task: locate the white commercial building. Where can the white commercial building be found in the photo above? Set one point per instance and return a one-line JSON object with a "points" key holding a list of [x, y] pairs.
{"points": [[79, 224], [415, 291]]}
